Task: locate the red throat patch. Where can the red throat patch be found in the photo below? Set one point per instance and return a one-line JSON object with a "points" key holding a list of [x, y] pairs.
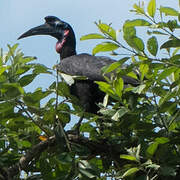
{"points": [[60, 44]]}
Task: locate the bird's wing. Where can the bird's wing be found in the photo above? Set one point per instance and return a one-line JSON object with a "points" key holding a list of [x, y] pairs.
{"points": [[89, 66]]}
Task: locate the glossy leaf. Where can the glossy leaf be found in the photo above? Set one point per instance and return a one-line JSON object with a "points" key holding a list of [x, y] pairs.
{"points": [[128, 157], [105, 87], [152, 8], [92, 36], [107, 29], [40, 68], [12, 89], [104, 47], [139, 89], [118, 86], [144, 68], [3, 69], [152, 45], [138, 9], [115, 65], [138, 44], [121, 112], [164, 74], [156, 32], [168, 11], [171, 43], [152, 149], [129, 31], [130, 172], [63, 89], [136, 22], [162, 140], [27, 79], [12, 49]]}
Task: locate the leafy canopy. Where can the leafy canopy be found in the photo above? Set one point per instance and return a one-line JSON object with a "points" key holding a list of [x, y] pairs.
{"points": [[136, 137]]}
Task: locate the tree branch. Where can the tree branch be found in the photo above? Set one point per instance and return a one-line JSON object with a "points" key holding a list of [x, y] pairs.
{"points": [[96, 148]]}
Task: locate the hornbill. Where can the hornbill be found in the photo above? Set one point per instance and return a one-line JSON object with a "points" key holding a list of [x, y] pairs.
{"points": [[77, 65]]}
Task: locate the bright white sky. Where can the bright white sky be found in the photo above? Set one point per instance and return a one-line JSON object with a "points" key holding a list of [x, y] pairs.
{"points": [[17, 16]]}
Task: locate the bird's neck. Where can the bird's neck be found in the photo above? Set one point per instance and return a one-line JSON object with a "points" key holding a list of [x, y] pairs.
{"points": [[69, 46], [67, 51]]}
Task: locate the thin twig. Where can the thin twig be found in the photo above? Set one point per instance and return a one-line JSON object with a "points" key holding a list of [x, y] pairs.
{"points": [[158, 113], [21, 104], [174, 117], [56, 118]]}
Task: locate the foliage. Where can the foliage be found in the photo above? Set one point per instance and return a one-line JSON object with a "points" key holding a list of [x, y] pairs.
{"points": [[136, 137]]}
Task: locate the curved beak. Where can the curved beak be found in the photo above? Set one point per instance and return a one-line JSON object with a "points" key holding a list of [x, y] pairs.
{"points": [[44, 29]]}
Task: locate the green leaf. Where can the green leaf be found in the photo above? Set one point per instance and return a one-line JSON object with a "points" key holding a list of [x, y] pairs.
{"points": [[136, 22], [172, 25], [24, 143], [28, 59], [130, 171], [168, 11], [128, 157], [92, 36], [171, 43], [153, 166], [65, 158], [12, 89], [23, 69], [87, 173], [152, 149], [176, 51], [152, 45], [108, 112], [164, 74], [156, 32], [6, 106], [138, 9], [175, 58], [107, 30], [86, 127], [12, 49], [86, 169], [152, 8], [118, 86], [138, 44], [120, 113], [63, 89], [166, 97], [132, 39], [139, 89], [115, 65], [104, 47], [129, 31], [144, 68], [162, 140], [33, 99], [27, 79], [40, 68], [63, 113], [105, 87]]}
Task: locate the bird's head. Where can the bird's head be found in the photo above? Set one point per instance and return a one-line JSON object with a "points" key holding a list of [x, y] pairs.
{"points": [[57, 28]]}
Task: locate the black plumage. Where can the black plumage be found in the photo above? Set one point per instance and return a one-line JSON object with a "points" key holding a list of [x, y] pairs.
{"points": [[77, 65]]}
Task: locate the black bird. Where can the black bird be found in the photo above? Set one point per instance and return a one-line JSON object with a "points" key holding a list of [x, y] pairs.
{"points": [[78, 65]]}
